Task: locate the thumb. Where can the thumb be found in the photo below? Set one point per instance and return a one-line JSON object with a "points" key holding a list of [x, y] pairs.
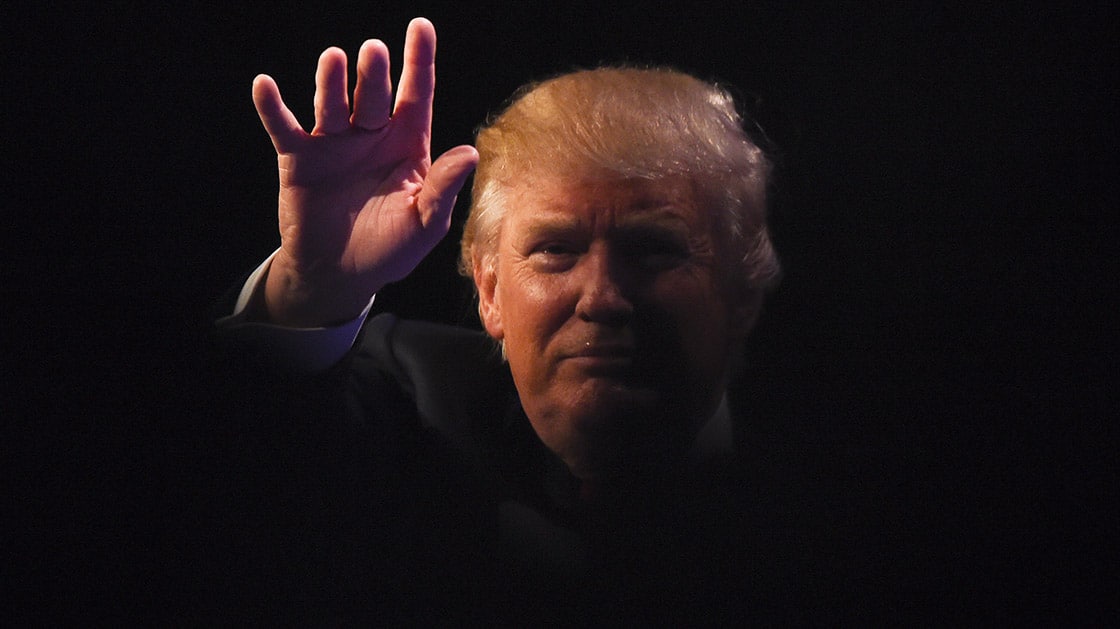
{"points": [[441, 187]]}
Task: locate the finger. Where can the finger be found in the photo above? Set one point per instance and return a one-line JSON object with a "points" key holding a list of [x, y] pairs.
{"points": [[278, 120], [418, 78], [373, 95], [442, 185], [332, 106]]}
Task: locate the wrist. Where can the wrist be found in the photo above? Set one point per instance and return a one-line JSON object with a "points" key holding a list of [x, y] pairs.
{"points": [[310, 300]]}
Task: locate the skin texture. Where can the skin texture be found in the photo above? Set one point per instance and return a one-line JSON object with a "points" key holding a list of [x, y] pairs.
{"points": [[361, 202], [617, 331]]}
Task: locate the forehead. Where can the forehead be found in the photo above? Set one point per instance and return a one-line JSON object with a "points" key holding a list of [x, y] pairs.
{"points": [[604, 202]]}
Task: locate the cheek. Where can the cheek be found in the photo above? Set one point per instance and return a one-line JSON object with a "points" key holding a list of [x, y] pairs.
{"points": [[533, 307], [699, 318]]}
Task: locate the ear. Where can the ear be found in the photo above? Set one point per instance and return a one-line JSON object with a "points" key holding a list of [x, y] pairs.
{"points": [[744, 313], [489, 311]]}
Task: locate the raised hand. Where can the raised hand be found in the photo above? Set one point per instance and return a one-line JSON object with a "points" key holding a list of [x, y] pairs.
{"points": [[361, 202]]}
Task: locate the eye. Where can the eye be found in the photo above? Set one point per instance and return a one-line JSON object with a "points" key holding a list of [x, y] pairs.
{"points": [[554, 256], [557, 249], [656, 252]]}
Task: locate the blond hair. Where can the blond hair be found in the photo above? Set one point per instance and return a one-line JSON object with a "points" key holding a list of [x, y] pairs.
{"points": [[626, 122]]}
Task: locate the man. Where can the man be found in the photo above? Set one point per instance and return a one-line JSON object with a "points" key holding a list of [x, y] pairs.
{"points": [[618, 246]]}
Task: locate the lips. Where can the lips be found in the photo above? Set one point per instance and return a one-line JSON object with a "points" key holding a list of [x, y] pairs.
{"points": [[604, 359]]}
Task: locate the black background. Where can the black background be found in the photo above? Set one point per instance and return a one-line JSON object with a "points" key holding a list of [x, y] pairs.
{"points": [[937, 358]]}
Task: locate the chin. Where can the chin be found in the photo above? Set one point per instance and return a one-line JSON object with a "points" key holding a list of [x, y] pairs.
{"points": [[614, 445], [601, 399], [625, 466]]}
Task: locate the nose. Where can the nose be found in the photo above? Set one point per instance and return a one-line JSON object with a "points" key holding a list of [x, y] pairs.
{"points": [[604, 296]]}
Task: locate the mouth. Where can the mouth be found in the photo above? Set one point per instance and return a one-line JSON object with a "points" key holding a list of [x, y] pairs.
{"points": [[604, 359]]}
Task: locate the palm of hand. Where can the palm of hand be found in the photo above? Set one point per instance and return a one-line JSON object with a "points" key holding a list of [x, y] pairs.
{"points": [[361, 202], [349, 203]]}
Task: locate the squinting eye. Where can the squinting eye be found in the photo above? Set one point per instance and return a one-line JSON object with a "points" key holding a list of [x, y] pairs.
{"points": [[554, 257], [557, 250], [657, 254]]}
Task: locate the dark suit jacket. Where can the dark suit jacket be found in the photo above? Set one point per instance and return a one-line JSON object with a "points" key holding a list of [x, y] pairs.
{"points": [[414, 486]]}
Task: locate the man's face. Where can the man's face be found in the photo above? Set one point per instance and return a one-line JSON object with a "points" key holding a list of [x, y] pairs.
{"points": [[607, 297]]}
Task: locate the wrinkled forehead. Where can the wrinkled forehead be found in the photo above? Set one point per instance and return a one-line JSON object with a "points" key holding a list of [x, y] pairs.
{"points": [[599, 206], [603, 199]]}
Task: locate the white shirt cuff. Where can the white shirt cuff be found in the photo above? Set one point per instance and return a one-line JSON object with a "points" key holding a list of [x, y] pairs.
{"points": [[305, 349]]}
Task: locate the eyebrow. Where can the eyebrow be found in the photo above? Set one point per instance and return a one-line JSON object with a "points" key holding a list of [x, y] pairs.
{"points": [[558, 220], [665, 215]]}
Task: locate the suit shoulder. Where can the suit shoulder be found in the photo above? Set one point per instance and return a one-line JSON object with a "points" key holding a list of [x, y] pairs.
{"points": [[455, 375]]}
